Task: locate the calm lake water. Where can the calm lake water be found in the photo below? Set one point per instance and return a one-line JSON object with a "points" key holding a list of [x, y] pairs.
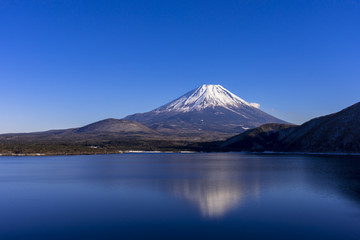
{"points": [[180, 196]]}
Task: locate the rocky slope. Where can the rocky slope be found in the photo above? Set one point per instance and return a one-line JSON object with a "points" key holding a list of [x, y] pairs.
{"points": [[334, 133]]}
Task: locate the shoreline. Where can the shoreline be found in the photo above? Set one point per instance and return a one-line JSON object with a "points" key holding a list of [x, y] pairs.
{"points": [[177, 152]]}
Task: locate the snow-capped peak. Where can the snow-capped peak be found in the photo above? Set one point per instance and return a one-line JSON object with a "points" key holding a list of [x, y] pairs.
{"points": [[206, 96]]}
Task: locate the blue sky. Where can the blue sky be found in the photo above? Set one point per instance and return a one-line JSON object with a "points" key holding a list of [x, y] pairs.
{"points": [[69, 63]]}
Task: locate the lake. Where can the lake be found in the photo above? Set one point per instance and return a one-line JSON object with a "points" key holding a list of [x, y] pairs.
{"points": [[180, 196]]}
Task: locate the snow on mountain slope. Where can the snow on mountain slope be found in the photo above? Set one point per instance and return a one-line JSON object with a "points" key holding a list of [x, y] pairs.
{"points": [[208, 108], [206, 96]]}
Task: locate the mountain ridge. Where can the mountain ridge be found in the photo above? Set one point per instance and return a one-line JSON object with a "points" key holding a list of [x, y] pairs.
{"points": [[208, 108], [115, 126], [336, 132]]}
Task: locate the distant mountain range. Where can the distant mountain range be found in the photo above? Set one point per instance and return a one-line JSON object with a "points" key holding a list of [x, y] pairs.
{"points": [[112, 125], [199, 120], [108, 128], [334, 133], [207, 113]]}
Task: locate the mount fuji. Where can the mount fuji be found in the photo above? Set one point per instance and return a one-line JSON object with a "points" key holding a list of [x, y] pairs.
{"points": [[204, 110]]}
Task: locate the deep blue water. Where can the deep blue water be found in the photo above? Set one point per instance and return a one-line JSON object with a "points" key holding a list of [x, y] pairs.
{"points": [[180, 196]]}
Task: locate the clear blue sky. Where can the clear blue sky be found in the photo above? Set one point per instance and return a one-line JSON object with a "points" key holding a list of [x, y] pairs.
{"points": [[69, 63]]}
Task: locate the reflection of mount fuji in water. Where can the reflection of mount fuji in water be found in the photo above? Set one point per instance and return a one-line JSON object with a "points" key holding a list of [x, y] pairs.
{"points": [[214, 187], [217, 186], [213, 198]]}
